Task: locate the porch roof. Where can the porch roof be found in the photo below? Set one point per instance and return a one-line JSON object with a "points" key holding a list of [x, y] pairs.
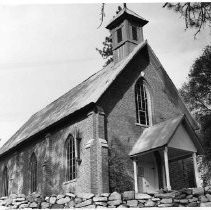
{"points": [[161, 134]]}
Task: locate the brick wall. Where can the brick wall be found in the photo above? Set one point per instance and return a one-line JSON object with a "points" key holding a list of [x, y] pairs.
{"points": [[182, 174], [117, 126], [54, 172], [118, 103]]}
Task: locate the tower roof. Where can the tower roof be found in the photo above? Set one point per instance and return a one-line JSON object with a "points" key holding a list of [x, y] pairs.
{"points": [[126, 13]]}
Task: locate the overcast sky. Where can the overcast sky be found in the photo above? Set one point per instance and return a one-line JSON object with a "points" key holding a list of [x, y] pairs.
{"points": [[45, 50]]}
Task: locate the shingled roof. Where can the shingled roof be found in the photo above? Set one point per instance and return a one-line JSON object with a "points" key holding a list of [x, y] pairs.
{"points": [[159, 135], [87, 92], [126, 13], [156, 136], [84, 94]]}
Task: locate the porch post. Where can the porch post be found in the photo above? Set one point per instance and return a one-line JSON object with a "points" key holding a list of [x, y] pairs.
{"points": [[167, 168], [135, 175], [195, 170]]}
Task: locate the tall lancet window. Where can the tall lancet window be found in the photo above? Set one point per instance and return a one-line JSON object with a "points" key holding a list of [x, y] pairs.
{"points": [[33, 170], [142, 103], [70, 158], [5, 181]]}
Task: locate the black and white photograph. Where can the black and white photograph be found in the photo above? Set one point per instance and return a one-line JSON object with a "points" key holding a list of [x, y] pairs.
{"points": [[105, 105]]}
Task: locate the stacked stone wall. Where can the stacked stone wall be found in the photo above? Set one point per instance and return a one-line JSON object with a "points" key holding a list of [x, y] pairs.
{"points": [[189, 197]]}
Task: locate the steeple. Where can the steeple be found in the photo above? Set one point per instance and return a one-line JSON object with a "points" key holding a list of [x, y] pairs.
{"points": [[127, 31]]}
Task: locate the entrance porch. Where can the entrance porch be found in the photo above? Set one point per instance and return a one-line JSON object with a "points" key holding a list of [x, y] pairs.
{"points": [[159, 150]]}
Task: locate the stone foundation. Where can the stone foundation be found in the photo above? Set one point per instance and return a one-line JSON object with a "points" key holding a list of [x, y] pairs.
{"points": [[191, 197]]}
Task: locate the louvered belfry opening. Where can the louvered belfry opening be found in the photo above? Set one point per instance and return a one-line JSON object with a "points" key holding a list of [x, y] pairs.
{"points": [[70, 158], [33, 169], [5, 182], [126, 30], [142, 115]]}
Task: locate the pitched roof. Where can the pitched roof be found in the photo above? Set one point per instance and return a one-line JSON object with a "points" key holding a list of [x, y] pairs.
{"points": [[126, 13], [77, 98], [160, 135], [84, 94]]}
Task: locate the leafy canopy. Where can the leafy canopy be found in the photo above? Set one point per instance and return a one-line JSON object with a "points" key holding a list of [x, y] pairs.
{"points": [[197, 96], [197, 91]]}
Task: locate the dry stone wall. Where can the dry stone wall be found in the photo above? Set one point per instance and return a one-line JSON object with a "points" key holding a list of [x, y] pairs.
{"points": [[183, 198]]}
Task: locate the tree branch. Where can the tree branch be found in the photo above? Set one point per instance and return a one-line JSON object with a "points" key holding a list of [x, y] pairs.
{"points": [[102, 14]]}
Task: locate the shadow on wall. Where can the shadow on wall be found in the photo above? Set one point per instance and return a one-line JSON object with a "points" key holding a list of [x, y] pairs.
{"points": [[57, 169], [120, 179]]}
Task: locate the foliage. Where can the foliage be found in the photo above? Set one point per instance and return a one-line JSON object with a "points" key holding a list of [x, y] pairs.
{"points": [[196, 93], [196, 14], [106, 51], [205, 162], [119, 179]]}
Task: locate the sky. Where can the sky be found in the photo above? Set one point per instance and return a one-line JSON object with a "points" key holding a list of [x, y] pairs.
{"points": [[47, 49]]}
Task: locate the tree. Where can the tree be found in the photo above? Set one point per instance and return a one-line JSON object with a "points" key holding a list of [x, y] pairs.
{"points": [[196, 14], [106, 52], [196, 93], [205, 160]]}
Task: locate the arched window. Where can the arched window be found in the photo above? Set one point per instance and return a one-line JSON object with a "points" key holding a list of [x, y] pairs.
{"points": [[70, 158], [142, 103], [5, 181], [33, 170]]}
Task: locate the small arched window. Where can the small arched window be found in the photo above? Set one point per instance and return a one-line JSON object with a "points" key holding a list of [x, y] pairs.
{"points": [[33, 170], [5, 181], [70, 158], [142, 103]]}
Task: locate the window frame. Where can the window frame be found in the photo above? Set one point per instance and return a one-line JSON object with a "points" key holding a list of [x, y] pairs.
{"points": [[33, 173], [5, 182], [70, 159], [145, 103]]}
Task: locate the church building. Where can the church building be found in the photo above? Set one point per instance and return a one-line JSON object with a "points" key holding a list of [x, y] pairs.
{"points": [[124, 128]]}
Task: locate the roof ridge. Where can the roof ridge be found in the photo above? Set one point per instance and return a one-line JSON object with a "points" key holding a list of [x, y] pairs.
{"points": [[88, 91], [135, 13]]}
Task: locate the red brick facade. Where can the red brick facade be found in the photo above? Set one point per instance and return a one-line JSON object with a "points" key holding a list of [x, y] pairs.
{"points": [[119, 107]]}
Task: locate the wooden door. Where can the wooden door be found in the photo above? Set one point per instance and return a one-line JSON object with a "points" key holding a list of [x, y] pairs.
{"points": [[147, 177]]}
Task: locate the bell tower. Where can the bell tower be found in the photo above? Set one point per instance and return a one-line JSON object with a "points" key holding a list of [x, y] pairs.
{"points": [[126, 29]]}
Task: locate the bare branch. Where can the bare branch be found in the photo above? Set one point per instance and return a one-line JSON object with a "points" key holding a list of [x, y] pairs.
{"points": [[195, 14], [102, 14]]}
